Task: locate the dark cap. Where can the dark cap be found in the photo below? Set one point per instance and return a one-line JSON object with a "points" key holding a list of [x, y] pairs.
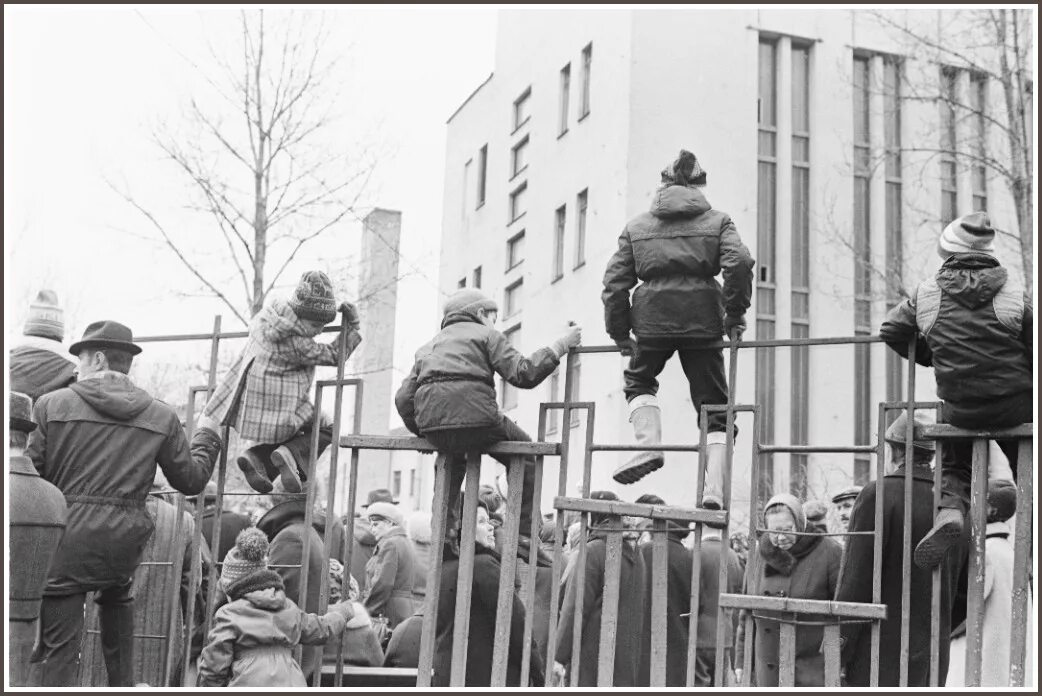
{"points": [[20, 412]]}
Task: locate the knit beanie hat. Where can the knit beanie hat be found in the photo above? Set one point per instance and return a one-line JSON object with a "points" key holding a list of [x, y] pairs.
{"points": [[46, 318], [684, 171], [389, 512], [313, 298], [969, 233], [1002, 496], [469, 299], [249, 555]]}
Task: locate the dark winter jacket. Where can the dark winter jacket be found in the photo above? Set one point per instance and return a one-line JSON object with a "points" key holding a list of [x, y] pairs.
{"points": [[975, 328], [809, 570], [631, 614], [389, 578], [231, 524], [855, 583], [40, 366], [678, 602], [709, 591], [676, 250], [483, 600], [99, 442], [452, 383], [404, 648]]}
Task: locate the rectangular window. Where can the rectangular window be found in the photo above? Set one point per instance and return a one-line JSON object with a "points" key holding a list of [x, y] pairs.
{"points": [[862, 265], [515, 250], [396, 484], [462, 282], [553, 417], [517, 201], [584, 103], [979, 92], [467, 192], [575, 371], [521, 105], [512, 299], [518, 157], [580, 227], [558, 267], [800, 292], [513, 336], [562, 111], [949, 172], [894, 240], [476, 282], [482, 171], [413, 491]]}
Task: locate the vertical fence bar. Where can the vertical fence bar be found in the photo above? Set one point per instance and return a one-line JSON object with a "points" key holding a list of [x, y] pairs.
{"points": [[173, 618], [1021, 564], [508, 572], [909, 482], [347, 543], [935, 609], [877, 545], [529, 582], [754, 518], [580, 565], [786, 654], [830, 648], [659, 590], [610, 604], [439, 514], [696, 558], [309, 520], [719, 671], [222, 472], [465, 581], [560, 531], [978, 527], [195, 572]]}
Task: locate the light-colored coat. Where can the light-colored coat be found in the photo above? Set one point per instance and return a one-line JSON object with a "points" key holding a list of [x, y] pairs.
{"points": [[998, 605], [389, 578]]}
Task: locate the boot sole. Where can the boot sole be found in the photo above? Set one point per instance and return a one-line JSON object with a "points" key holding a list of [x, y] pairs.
{"points": [[631, 473], [287, 472], [257, 481], [930, 551]]}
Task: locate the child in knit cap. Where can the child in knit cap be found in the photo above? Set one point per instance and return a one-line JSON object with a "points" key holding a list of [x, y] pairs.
{"points": [[253, 636], [266, 394], [449, 396]]}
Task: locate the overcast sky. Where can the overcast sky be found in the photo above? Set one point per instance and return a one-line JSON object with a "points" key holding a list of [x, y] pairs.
{"points": [[84, 88]]}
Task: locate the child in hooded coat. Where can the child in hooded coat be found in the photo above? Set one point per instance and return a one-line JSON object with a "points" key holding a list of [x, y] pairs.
{"points": [[266, 394], [253, 636]]}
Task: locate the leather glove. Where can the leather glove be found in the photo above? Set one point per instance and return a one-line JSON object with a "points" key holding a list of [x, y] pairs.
{"points": [[734, 323], [351, 312], [626, 345]]}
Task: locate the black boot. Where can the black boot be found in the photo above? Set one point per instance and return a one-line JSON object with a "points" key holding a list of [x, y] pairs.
{"points": [[255, 471], [117, 642]]}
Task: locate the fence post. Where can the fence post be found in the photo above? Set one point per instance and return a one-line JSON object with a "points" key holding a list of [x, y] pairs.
{"points": [[465, 581], [439, 514], [508, 572], [1021, 564], [978, 524], [610, 604]]}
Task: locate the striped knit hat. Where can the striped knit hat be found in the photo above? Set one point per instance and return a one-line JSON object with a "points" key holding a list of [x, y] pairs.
{"points": [[249, 555], [969, 233], [313, 298], [46, 318]]}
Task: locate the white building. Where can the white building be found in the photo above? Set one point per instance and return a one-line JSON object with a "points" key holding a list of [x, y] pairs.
{"points": [[564, 143]]}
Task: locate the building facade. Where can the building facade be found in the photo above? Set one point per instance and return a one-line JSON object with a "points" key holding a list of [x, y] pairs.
{"points": [[804, 121]]}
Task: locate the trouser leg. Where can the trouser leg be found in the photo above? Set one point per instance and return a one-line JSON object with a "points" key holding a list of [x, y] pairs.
{"points": [[56, 660], [509, 431], [300, 445], [646, 364], [117, 633], [23, 638], [707, 383]]}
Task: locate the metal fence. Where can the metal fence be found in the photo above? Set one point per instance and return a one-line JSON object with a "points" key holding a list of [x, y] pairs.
{"points": [[791, 610]]}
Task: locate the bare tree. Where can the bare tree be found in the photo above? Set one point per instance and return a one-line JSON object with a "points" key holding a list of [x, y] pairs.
{"points": [[260, 156]]}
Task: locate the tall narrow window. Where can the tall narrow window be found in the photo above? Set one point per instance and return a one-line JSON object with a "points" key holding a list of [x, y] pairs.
{"points": [[566, 84], [396, 484], [766, 196], [509, 391], [949, 171], [894, 239], [467, 191], [512, 299], [575, 370], [553, 417], [462, 282], [413, 490], [580, 227], [584, 103], [515, 250], [800, 292], [558, 267], [519, 157], [521, 114], [476, 282], [979, 92], [482, 170], [517, 201], [862, 267]]}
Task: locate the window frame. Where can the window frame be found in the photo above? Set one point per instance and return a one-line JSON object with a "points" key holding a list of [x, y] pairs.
{"points": [[521, 101], [518, 191], [511, 301], [560, 231], [582, 206], [519, 237], [587, 69], [563, 98], [482, 183], [518, 147]]}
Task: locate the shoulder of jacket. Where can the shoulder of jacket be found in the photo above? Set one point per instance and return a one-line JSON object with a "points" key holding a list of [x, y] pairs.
{"points": [[927, 304], [1009, 304]]}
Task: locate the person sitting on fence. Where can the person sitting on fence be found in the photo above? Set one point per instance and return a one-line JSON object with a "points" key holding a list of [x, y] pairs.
{"points": [[253, 636], [675, 251], [391, 571], [974, 325], [449, 396], [266, 394], [855, 583], [786, 565]]}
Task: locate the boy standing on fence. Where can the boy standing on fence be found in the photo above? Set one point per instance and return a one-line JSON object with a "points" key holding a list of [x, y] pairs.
{"points": [[449, 396], [266, 396], [974, 326]]}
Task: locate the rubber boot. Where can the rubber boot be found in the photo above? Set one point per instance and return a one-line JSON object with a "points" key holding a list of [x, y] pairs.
{"points": [[647, 429], [117, 642], [286, 463], [715, 464], [254, 470], [946, 533]]}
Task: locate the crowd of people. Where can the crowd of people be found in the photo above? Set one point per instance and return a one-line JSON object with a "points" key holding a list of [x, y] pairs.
{"points": [[105, 453]]}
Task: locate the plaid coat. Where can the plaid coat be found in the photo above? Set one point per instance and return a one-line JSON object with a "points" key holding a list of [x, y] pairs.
{"points": [[271, 380]]}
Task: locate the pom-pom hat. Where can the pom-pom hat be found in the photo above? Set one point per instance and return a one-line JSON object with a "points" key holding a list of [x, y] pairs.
{"points": [[249, 555]]}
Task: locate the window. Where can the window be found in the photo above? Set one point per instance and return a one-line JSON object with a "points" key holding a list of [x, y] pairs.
{"points": [[413, 490], [580, 227], [800, 292], [575, 372], [518, 157], [462, 282], [553, 416], [566, 81], [521, 114], [765, 250], [558, 268], [979, 175], [396, 484], [482, 171], [515, 250], [476, 282], [517, 201], [862, 266], [949, 176], [467, 174], [894, 240], [513, 336], [512, 299], [584, 103]]}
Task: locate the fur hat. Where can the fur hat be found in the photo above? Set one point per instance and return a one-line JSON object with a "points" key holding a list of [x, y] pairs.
{"points": [[313, 298], [379, 495], [387, 511], [1002, 500], [969, 233], [897, 431], [469, 299], [419, 527], [46, 319], [249, 555], [20, 412], [684, 171]]}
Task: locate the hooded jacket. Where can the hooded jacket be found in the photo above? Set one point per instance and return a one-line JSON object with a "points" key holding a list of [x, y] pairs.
{"points": [[676, 250], [451, 385], [39, 366], [974, 326], [99, 442]]}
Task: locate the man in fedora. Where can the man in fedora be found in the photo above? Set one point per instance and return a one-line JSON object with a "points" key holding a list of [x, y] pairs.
{"points": [[99, 441]]}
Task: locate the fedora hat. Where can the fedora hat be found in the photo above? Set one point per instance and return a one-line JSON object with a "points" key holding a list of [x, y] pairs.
{"points": [[106, 334], [20, 412], [379, 495]]}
